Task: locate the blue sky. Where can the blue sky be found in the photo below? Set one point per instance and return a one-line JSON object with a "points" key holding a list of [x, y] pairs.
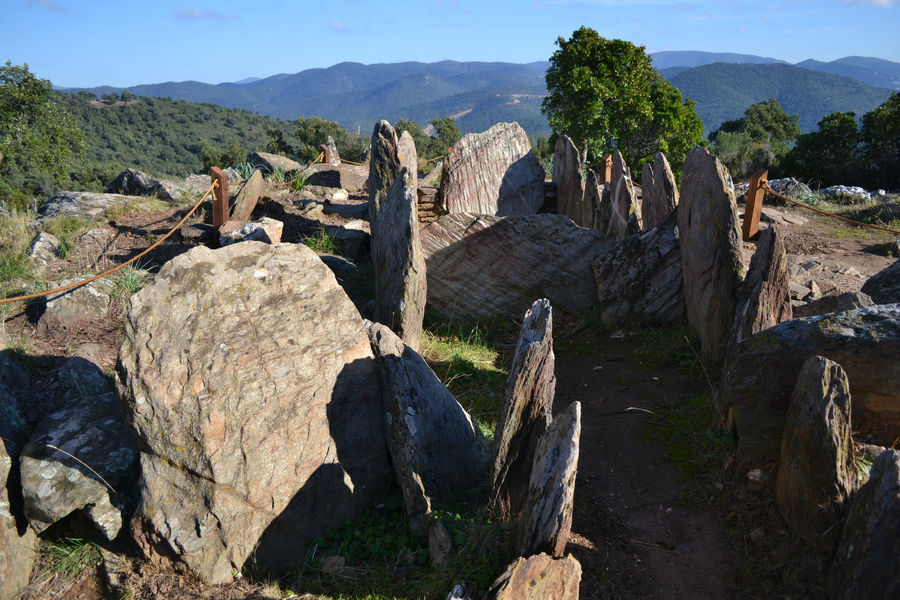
{"points": [[124, 42]]}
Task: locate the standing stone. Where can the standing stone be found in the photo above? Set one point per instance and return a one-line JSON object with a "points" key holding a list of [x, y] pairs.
{"points": [[597, 195], [711, 251], [383, 166], [547, 518], [479, 266], [884, 286], [867, 561], [527, 409], [817, 472], [640, 278], [765, 298], [437, 450], [409, 158], [252, 190], [626, 210], [761, 372], [569, 181], [539, 577], [660, 192], [400, 283], [493, 173], [329, 148], [247, 374]]}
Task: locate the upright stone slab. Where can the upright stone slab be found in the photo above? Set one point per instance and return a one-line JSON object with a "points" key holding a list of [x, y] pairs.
{"points": [[493, 173], [409, 158], [384, 165], [248, 376], [479, 266], [527, 409], [437, 450], [539, 577], [400, 283], [332, 157], [640, 278], [547, 518], [711, 251], [249, 194], [761, 372], [597, 195], [660, 192], [765, 297], [569, 181], [884, 286], [867, 561], [817, 472]]}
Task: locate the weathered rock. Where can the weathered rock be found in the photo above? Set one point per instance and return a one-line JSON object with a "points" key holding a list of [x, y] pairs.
{"points": [[437, 450], [817, 472], [409, 158], [352, 237], [80, 458], [344, 176], [640, 278], [539, 577], [329, 148], [439, 544], [867, 561], [383, 166], [480, 266], [527, 409], [250, 193], [13, 375], [761, 373], [78, 378], [884, 286], [70, 308], [265, 230], [596, 194], [765, 299], [835, 303], [400, 284], [79, 204], [44, 249], [547, 518], [493, 173], [569, 182], [248, 376], [269, 162], [433, 177], [711, 254], [660, 192], [132, 182], [625, 219]]}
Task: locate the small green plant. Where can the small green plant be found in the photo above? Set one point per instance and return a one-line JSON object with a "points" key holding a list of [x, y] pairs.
{"points": [[299, 183], [245, 170], [278, 175], [69, 557], [321, 242], [811, 199], [62, 250], [129, 281]]}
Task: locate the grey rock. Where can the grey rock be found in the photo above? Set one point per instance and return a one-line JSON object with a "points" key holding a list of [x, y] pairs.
{"points": [[352, 240], [247, 197], [884, 286], [78, 378], [547, 518], [640, 278], [526, 411], [711, 251], [332, 157], [539, 577], [344, 176], [132, 182], [440, 546], [625, 219], [265, 230], [569, 182], [817, 471], [597, 195], [248, 377], [269, 162], [409, 159], [399, 264], [79, 204], [844, 194], [493, 173], [480, 266], [44, 249], [660, 192], [867, 560], [835, 303], [798, 291], [12, 374], [384, 166], [70, 308], [17, 540]]}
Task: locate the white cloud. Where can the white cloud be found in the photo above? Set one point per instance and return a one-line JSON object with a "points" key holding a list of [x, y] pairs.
{"points": [[337, 26], [47, 4], [199, 13]]}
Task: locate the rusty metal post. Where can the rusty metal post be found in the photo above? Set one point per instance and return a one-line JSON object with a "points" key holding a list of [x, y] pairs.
{"points": [[605, 168], [220, 196], [752, 209]]}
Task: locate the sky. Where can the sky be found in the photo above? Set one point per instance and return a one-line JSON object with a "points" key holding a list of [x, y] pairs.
{"points": [[86, 43]]}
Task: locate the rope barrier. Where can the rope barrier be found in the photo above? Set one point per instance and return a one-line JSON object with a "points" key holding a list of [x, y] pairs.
{"points": [[344, 160], [765, 186], [64, 288]]}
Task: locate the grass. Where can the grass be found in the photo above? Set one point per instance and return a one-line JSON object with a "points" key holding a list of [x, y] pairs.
{"points": [[300, 180], [245, 170], [69, 557], [321, 242], [15, 238], [128, 281]]}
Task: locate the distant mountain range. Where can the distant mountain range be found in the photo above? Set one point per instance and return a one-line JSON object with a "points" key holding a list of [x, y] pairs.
{"points": [[479, 94]]}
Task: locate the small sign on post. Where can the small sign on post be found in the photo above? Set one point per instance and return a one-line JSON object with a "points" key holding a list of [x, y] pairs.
{"points": [[220, 196], [753, 208]]}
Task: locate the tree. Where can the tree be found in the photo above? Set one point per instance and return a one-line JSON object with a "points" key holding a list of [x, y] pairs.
{"points": [[312, 132], [277, 144], [759, 139], [881, 136], [830, 155], [420, 138]]}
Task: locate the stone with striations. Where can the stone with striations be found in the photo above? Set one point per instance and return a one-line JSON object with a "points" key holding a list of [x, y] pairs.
{"points": [[527, 409], [547, 517], [625, 218], [409, 158], [383, 166], [479, 265], [884, 286], [660, 192], [596, 195], [247, 197], [493, 173], [569, 182], [248, 377], [640, 278], [711, 250], [817, 471], [538, 577], [270, 162]]}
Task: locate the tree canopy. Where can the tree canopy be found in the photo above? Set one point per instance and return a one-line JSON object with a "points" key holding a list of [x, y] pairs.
{"points": [[759, 139]]}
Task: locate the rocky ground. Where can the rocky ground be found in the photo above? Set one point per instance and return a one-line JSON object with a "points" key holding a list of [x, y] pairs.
{"points": [[649, 521]]}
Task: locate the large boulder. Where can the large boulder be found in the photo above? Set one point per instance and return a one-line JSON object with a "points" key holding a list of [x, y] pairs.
{"points": [[625, 218], [79, 204], [640, 278], [527, 409], [351, 178], [817, 471], [247, 374], [884, 286], [480, 266], [269, 162], [493, 173], [660, 195], [70, 308], [400, 283], [711, 250], [867, 561], [383, 166], [539, 577], [132, 182], [761, 372], [833, 303], [438, 452], [569, 182]]}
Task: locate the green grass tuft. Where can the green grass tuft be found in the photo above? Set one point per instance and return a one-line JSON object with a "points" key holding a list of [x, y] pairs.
{"points": [[321, 242], [69, 557]]}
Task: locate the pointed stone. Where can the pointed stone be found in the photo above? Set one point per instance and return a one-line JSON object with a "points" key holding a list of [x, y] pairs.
{"points": [[526, 412], [711, 250], [384, 165], [817, 472], [568, 180], [252, 190], [400, 283], [626, 210], [597, 195], [539, 577], [409, 158], [660, 192], [547, 518]]}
